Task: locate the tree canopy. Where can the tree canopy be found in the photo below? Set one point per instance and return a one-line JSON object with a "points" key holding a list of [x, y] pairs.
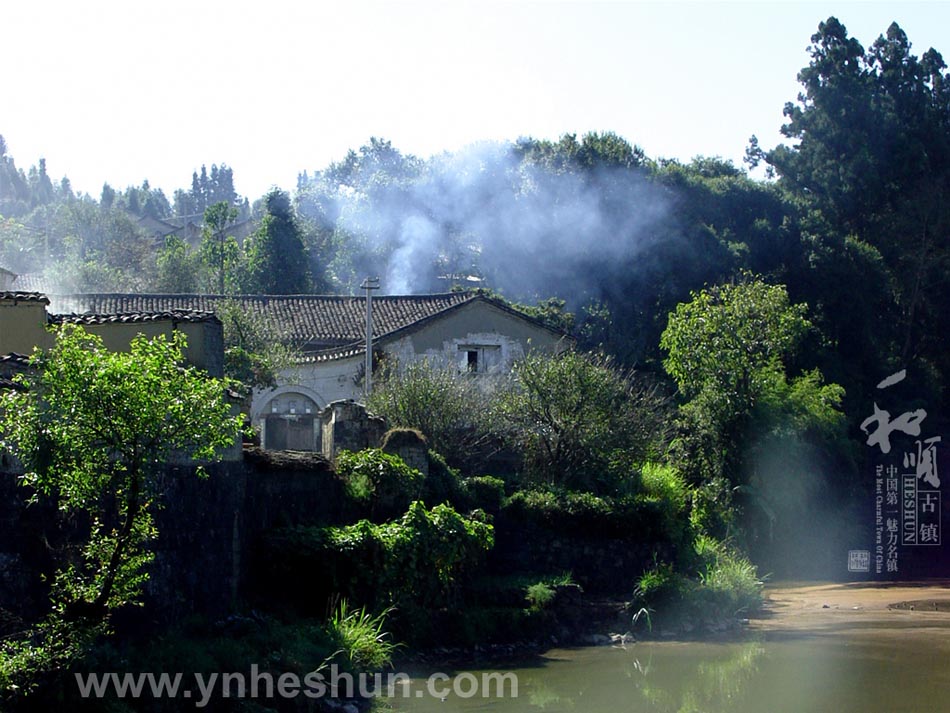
{"points": [[94, 430]]}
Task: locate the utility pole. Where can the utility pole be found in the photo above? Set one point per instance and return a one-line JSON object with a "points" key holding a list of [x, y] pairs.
{"points": [[369, 284]]}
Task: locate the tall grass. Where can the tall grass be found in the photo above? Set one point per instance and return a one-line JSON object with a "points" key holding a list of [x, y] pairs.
{"points": [[729, 582], [724, 586], [360, 637]]}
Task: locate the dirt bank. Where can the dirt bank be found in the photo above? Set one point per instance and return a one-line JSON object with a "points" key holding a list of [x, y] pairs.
{"points": [[856, 607]]}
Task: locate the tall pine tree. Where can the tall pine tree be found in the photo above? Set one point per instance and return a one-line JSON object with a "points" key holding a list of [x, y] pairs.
{"points": [[278, 259]]}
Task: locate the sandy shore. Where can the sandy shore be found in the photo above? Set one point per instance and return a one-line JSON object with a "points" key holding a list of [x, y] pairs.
{"points": [[856, 606]]}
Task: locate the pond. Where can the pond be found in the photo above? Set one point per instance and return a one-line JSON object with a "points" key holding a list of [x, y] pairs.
{"points": [[881, 663]]}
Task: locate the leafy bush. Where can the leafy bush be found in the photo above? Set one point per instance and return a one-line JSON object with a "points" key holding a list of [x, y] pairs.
{"points": [[714, 511], [540, 595], [379, 480], [484, 492], [726, 584], [663, 487], [664, 483], [588, 515], [660, 587], [414, 563], [442, 484], [568, 512]]}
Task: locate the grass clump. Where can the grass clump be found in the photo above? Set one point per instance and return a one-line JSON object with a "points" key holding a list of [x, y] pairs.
{"points": [[729, 582], [360, 637], [723, 585], [540, 595]]}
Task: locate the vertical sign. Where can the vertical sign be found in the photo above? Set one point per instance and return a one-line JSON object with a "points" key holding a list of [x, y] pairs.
{"points": [[907, 494]]}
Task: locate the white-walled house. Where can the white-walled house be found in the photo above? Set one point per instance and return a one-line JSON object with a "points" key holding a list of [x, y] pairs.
{"points": [[478, 334]]}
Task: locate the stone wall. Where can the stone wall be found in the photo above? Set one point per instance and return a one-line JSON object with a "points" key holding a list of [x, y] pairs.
{"points": [[207, 529], [348, 426], [409, 445], [601, 565]]}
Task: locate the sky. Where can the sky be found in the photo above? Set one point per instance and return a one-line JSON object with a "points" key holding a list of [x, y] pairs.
{"points": [[120, 92]]}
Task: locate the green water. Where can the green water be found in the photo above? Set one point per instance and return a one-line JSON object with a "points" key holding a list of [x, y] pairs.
{"points": [[867, 668]]}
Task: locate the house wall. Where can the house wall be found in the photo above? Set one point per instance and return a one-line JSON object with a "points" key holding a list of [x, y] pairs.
{"points": [[316, 383], [502, 337], [22, 325], [483, 321], [205, 339]]}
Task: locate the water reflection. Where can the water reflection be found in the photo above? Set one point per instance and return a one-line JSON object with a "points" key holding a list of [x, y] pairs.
{"points": [[873, 671], [714, 685]]}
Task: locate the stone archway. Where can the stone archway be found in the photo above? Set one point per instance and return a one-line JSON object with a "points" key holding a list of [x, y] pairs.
{"points": [[289, 421]]}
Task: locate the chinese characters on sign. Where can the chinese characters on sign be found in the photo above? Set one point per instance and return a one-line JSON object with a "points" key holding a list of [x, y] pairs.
{"points": [[906, 486]]}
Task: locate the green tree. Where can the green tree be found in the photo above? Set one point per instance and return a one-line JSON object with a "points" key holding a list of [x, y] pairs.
{"points": [[277, 257], [253, 354], [725, 335], [218, 250], [94, 430], [594, 150], [41, 185], [178, 270], [728, 350], [722, 348]]}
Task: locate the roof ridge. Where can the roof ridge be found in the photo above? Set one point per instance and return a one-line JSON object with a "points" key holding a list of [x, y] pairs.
{"points": [[18, 296], [184, 315], [313, 323]]}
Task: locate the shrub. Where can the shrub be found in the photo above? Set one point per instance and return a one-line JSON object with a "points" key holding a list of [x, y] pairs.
{"points": [[571, 513], [414, 563], [379, 480], [660, 587], [726, 584], [729, 582], [540, 595], [588, 515], [484, 492], [442, 484], [664, 489], [455, 412], [581, 423], [664, 483]]}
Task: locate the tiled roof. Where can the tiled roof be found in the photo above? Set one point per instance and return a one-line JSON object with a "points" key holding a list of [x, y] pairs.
{"points": [[179, 315], [9, 384], [24, 297], [33, 282], [13, 361], [313, 322], [10, 365]]}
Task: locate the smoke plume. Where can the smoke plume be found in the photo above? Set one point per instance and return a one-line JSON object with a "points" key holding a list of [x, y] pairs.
{"points": [[528, 230]]}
